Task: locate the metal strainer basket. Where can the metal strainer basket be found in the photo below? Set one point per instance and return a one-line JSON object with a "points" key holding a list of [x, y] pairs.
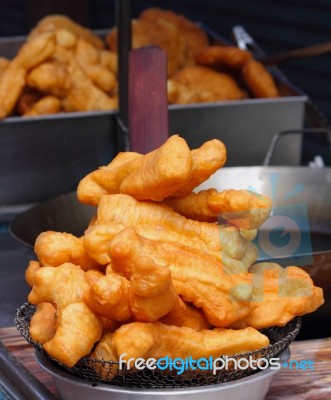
{"points": [[101, 371]]}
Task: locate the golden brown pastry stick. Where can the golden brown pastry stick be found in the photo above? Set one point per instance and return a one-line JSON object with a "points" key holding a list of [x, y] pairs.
{"points": [[158, 340], [35, 51], [30, 272], [109, 59], [246, 209], [279, 295], [46, 105], [197, 277], [78, 329], [155, 33], [50, 77], [212, 85], [184, 314], [156, 175], [206, 160], [12, 83], [60, 286], [180, 94], [152, 294], [126, 210], [56, 248], [107, 179], [194, 37], [223, 56], [27, 100], [162, 172], [259, 80], [55, 22], [65, 38], [43, 325], [108, 296], [83, 94], [4, 64], [88, 57], [98, 237]]}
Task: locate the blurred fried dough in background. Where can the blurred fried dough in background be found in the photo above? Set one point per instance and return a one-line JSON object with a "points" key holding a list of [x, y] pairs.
{"points": [[61, 67], [66, 61], [155, 33]]}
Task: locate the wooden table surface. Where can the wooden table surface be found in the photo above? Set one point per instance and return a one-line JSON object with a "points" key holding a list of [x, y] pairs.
{"points": [[288, 384]]}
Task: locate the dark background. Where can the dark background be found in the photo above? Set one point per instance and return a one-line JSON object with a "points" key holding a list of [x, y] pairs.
{"points": [[277, 25]]}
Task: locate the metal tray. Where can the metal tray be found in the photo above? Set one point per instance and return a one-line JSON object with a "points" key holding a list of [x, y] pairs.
{"points": [[46, 156]]}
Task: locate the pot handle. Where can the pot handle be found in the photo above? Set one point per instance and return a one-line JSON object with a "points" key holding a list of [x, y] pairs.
{"points": [[308, 131]]}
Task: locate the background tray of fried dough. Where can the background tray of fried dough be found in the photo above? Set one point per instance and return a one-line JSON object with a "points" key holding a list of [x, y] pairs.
{"points": [[41, 151]]}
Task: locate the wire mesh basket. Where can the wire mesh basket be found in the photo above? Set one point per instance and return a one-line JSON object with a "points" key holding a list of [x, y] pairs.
{"points": [[102, 371]]}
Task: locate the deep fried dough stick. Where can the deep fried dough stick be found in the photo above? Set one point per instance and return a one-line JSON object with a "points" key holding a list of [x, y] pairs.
{"points": [[152, 294], [52, 23], [12, 83], [259, 80], [88, 58], [46, 105], [42, 325], [280, 294], [98, 237], [108, 296], [50, 77], [60, 286], [56, 248], [78, 329], [162, 171], [220, 56], [35, 51], [247, 209], [205, 161], [107, 179], [158, 340], [212, 85], [155, 175], [195, 38], [83, 94], [127, 211], [30, 272], [197, 277]]}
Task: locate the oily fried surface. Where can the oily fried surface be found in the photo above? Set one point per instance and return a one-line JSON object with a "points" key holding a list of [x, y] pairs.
{"points": [[159, 33], [159, 340], [56, 248], [244, 209], [171, 170], [50, 77], [46, 105], [194, 37], [223, 56], [259, 80], [53, 23], [77, 327], [197, 277], [212, 85], [43, 325], [162, 171], [280, 294]]}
